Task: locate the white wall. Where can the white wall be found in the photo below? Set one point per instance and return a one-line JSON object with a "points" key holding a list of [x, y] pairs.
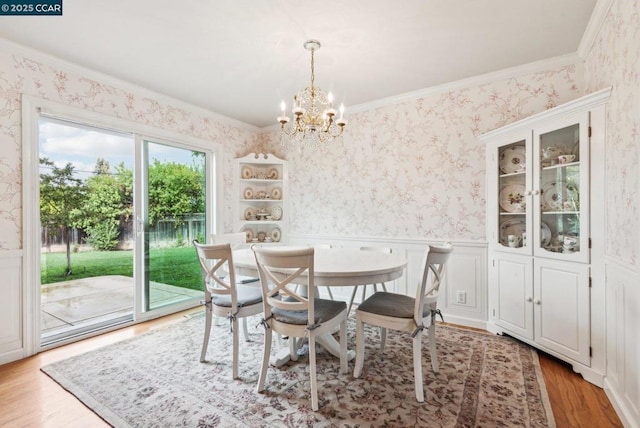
{"points": [[614, 60]]}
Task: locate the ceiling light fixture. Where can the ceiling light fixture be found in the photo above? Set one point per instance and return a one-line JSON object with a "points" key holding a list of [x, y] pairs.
{"points": [[311, 124]]}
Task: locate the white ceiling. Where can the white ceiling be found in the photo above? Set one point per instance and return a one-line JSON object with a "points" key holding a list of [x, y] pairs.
{"points": [[240, 58]]}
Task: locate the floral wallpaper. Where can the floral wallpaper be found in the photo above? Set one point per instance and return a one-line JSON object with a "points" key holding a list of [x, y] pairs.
{"points": [[20, 75], [415, 169], [614, 61]]}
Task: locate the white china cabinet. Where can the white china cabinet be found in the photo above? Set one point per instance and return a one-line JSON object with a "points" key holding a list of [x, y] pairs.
{"points": [[539, 213], [260, 192]]}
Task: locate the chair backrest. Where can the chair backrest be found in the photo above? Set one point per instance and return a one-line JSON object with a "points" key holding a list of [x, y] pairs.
{"points": [[216, 264], [280, 272], [433, 264], [235, 239]]}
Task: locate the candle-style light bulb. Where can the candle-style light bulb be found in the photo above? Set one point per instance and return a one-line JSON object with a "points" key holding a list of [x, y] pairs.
{"points": [[283, 119], [341, 110], [330, 99]]}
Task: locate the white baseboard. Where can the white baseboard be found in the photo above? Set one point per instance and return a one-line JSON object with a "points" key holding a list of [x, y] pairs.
{"points": [[624, 413]]}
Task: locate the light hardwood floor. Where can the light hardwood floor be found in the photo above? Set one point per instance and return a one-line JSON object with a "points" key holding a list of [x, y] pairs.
{"points": [[29, 398]]}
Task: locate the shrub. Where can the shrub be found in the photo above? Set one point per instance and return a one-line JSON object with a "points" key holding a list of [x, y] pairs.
{"points": [[103, 236]]}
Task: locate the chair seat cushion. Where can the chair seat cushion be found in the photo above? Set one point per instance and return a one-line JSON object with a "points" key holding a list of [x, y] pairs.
{"points": [[390, 305], [323, 310], [247, 295]]}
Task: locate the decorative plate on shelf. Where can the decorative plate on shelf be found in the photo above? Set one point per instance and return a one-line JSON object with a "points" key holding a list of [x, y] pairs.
{"points": [[276, 193], [261, 236], [511, 198], [556, 193], [545, 234], [246, 172], [513, 226], [250, 214], [249, 233], [513, 159], [248, 193], [272, 174], [276, 213], [276, 235]]}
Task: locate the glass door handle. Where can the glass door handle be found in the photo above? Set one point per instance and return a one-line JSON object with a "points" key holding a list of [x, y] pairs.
{"points": [[139, 226]]}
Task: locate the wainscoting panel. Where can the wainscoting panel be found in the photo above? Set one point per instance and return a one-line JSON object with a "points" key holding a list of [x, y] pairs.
{"points": [[11, 307], [466, 274], [622, 382]]}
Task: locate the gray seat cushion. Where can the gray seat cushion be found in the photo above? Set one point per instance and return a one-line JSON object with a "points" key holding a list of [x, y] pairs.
{"points": [[323, 310], [390, 305], [247, 295]]}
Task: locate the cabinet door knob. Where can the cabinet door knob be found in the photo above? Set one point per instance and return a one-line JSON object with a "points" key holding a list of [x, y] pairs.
{"points": [[537, 301], [529, 299], [529, 193], [536, 192]]}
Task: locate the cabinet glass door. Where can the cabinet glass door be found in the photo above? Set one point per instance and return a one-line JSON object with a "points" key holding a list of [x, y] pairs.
{"points": [[512, 209], [562, 190]]}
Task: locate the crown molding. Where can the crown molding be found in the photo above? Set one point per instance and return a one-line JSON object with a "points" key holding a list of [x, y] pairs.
{"points": [[79, 70], [594, 26], [504, 74]]}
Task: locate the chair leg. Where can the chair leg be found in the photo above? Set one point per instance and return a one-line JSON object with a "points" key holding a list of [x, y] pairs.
{"points": [[293, 348], [265, 359], [417, 366], [234, 358], [343, 347], [432, 347], [384, 287], [383, 338], [245, 330], [207, 333], [313, 373], [357, 371], [353, 296]]}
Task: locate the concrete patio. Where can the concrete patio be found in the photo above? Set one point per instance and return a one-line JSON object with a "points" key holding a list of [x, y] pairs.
{"points": [[81, 303]]}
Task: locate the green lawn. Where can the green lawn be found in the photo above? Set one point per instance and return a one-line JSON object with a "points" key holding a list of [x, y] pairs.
{"points": [[175, 266]]}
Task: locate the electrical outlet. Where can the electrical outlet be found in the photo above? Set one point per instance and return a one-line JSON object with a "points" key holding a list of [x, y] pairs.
{"points": [[461, 297]]}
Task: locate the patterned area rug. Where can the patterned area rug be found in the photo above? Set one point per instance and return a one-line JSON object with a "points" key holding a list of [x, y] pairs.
{"points": [[156, 380]]}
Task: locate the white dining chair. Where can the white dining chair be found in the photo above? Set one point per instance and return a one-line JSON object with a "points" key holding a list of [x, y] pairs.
{"points": [[294, 314], [407, 314], [383, 286], [223, 296], [325, 246]]}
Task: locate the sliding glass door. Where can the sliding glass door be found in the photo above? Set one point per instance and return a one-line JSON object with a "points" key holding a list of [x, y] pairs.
{"points": [[175, 213], [118, 213], [86, 251]]}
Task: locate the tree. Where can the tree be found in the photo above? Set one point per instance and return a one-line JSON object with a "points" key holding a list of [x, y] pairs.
{"points": [[174, 189], [61, 195], [102, 167], [108, 201]]}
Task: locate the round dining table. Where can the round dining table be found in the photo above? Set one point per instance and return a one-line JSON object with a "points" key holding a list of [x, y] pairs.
{"points": [[336, 267]]}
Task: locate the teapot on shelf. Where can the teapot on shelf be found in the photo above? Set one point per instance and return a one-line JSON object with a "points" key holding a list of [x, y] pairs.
{"points": [[551, 152]]}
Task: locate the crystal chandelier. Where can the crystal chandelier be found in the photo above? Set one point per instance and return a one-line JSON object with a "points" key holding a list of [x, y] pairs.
{"points": [[313, 112]]}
